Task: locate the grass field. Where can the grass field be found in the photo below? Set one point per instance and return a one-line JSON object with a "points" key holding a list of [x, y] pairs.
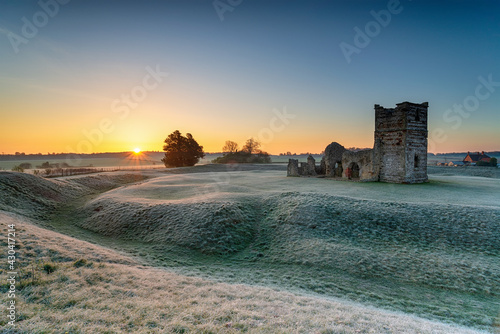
{"points": [[275, 254], [124, 160]]}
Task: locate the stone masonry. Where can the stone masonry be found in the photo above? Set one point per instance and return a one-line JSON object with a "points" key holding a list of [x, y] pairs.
{"points": [[401, 142], [399, 153]]}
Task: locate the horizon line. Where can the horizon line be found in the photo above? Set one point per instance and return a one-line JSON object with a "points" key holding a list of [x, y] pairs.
{"points": [[220, 152]]}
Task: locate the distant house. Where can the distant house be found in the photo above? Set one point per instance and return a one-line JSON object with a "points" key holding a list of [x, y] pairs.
{"points": [[475, 157], [456, 163]]}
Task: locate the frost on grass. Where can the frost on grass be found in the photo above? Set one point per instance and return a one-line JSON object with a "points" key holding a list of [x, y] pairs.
{"points": [[441, 245], [211, 227], [370, 234], [115, 295], [36, 197]]}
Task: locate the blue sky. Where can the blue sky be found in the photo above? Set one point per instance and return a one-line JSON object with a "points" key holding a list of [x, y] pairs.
{"points": [[227, 76]]}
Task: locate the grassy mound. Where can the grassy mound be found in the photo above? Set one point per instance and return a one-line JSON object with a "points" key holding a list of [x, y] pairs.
{"points": [[219, 227], [450, 247], [107, 181], [446, 227], [405, 248], [90, 289], [317, 240], [34, 196]]}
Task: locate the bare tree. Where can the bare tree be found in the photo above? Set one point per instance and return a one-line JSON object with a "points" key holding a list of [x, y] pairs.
{"points": [[230, 147], [251, 146]]}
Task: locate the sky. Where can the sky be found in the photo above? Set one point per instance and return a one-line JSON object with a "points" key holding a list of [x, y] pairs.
{"points": [[105, 76]]}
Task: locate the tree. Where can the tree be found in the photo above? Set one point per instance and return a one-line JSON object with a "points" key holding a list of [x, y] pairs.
{"points": [[45, 165], [251, 146], [181, 151], [230, 147], [249, 154], [493, 163]]}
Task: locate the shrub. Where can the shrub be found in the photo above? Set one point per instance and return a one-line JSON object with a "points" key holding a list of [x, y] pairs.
{"points": [[17, 169], [49, 268], [493, 163], [243, 157]]}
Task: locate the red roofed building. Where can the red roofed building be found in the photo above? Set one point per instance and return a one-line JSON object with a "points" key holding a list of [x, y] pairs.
{"points": [[475, 157]]}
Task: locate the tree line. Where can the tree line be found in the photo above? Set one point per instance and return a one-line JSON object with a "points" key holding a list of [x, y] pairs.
{"points": [[183, 151], [249, 153]]}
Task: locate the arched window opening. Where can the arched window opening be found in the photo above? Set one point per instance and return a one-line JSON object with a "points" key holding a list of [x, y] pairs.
{"points": [[354, 171]]}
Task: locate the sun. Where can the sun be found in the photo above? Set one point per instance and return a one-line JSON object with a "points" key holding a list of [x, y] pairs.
{"points": [[137, 150]]}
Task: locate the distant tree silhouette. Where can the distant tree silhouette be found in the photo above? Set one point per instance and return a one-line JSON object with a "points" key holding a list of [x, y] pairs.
{"points": [[249, 154], [251, 146], [181, 151], [230, 147], [45, 165], [493, 163]]}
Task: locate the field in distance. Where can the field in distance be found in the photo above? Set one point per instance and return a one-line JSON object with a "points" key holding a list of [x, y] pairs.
{"points": [[129, 159]]}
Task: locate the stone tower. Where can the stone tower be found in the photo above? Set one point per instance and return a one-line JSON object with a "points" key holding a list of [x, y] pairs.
{"points": [[401, 142]]}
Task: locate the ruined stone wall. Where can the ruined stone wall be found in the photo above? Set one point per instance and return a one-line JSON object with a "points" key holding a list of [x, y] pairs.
{"points": [[321, 169], [416, 158], [399, 153], [364, 160], [416, 143], [293, 167], [333, 159], [392, 156], [308, 168], [401, 142]]}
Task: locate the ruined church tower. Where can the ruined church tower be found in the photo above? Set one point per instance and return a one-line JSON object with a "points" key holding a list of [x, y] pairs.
{"points": [[401, 142]]}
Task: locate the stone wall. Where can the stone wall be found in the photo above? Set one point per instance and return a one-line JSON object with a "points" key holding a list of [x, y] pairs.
{"points": [[293, 167], [364, 161], [401, 142], [333, 159], [308, 168], [399, 153], [416, 157]]}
